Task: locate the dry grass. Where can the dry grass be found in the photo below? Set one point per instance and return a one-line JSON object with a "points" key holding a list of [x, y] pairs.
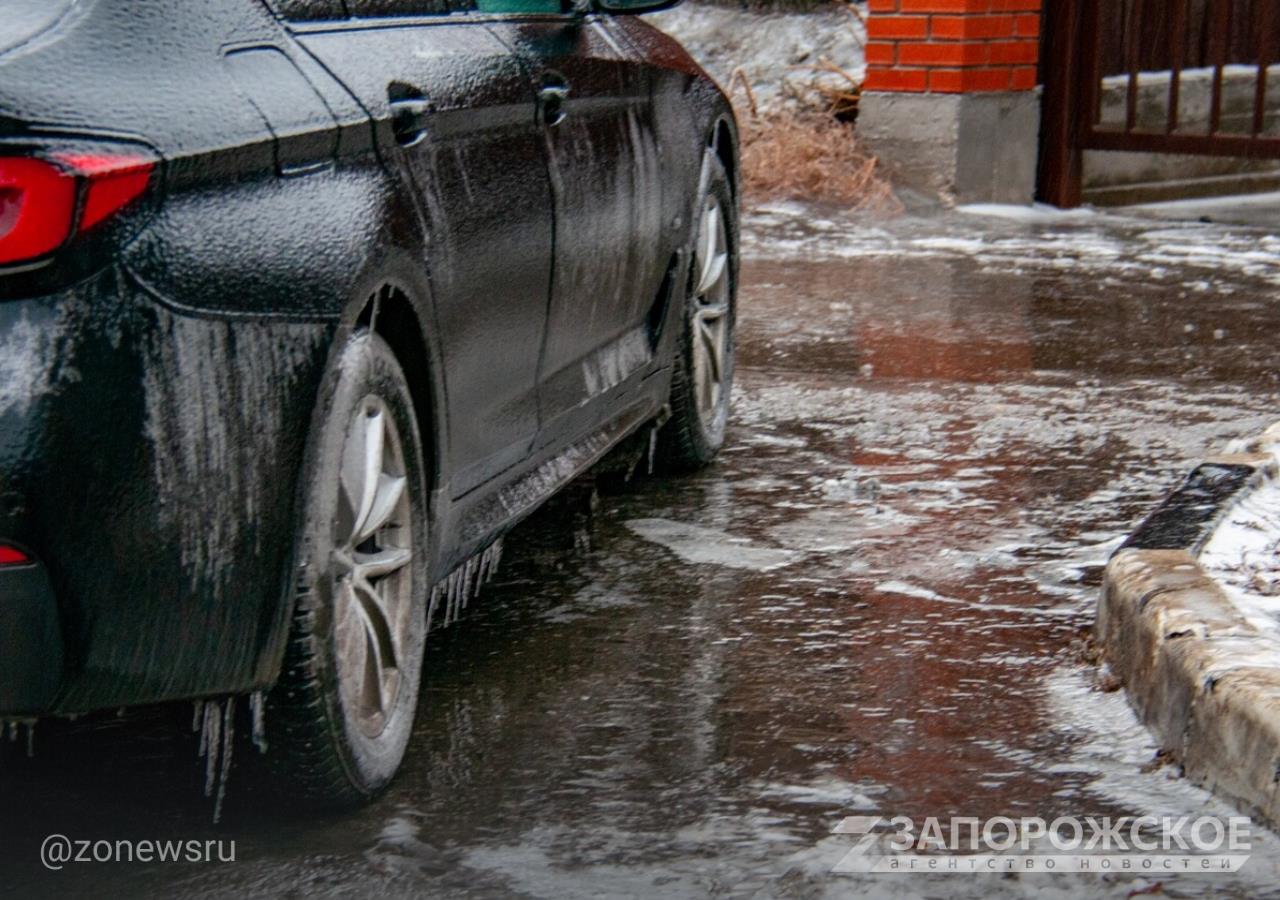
{"points": [[807, 149], [837, 94], [810, 155]]}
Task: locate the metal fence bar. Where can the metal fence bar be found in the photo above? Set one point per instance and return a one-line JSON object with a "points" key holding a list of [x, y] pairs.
{"points": [[1090, 68], [1061, 157], [1245, 145], [1133, 29], [1265, 20], [1219, 38], [1178, 53]]}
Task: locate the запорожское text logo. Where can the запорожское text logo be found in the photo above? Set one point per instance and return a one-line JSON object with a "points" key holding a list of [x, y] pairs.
{"points": [[968, 844]]}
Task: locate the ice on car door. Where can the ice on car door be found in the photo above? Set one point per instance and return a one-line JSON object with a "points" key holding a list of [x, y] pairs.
{"points": [[455, 115], [609, 260]]}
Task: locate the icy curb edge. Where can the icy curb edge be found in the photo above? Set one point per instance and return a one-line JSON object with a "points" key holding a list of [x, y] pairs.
{"points": [[1203, 679]]}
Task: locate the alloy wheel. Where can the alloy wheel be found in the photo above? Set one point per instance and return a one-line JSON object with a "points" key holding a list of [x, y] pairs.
{"points": [[711, 312], [373, 547]]}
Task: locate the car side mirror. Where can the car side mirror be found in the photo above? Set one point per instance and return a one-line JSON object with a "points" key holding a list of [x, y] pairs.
{"points": [[633, 7]]}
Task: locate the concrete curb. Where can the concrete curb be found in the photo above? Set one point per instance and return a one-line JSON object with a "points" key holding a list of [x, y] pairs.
{"points": [[1198, 673]]}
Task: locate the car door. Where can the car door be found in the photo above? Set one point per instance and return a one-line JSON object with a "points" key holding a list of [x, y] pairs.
{"points": [[455, 116], [596, 117]]}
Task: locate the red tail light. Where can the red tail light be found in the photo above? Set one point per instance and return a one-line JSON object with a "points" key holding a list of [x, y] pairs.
{"points": [[39, 198], [12, 556], [112, 183], [37, 205]]}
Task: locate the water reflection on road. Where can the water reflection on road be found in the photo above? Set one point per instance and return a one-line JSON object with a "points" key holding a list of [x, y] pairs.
{"points": [[877, 601]]}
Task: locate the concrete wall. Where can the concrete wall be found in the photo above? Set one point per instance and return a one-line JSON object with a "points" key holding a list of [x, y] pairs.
{"points": [[961, 148]]}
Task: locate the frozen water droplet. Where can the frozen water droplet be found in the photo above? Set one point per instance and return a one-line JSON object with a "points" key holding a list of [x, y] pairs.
{"points": [[432, 603], [471, 586], [258, 709], [210, 743], [228, 739], [455, 586], [489, 564]]}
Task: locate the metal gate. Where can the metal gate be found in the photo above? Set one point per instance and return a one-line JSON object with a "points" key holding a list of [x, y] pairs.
{"points": [[1156, 76]]}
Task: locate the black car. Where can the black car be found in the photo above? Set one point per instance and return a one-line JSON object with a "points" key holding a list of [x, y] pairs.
{"points": [[303, 305]]}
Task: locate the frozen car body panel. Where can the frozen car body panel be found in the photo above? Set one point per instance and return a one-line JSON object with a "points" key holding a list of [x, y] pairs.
{"points": [[479, 181], [27, 20], [151, 437], [611, 245]]}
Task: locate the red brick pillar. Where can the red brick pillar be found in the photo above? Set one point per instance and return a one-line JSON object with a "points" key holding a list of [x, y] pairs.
{"points": [[968, 66], [952, 46]]}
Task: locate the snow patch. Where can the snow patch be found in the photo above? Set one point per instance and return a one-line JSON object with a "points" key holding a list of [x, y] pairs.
{"points": [[1036, 212], [1109, 744], [777, 52], [1210, 205], [1243, 555], [708, 546], [904, 589]]}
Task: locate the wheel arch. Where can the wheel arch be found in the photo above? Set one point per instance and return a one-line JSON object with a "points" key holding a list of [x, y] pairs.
{"points": [[724, 140], [389, 313], [393, 301]]}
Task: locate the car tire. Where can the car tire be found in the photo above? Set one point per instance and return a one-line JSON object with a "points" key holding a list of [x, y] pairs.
{"points": [[702, 371], [340, 717]]}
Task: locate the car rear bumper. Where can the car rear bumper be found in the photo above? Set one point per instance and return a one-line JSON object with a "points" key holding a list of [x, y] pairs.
{"points": [[32, 651], [31, 663], [147, 464]]}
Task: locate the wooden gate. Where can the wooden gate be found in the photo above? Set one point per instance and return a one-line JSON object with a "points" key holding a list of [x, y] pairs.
{"points": [[1156, 76]]}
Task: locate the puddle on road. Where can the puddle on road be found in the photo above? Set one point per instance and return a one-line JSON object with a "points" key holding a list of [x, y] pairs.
{"points": [[872, 604]]}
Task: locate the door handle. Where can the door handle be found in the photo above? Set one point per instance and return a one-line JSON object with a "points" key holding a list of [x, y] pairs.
{"points": [[409, 119], [551, 99]]}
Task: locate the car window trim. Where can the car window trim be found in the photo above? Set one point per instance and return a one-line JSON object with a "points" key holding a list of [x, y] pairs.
{"points": [[419, 20]]}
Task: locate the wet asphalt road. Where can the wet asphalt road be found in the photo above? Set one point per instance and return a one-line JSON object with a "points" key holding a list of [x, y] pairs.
{"points": [[877, 602]]}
